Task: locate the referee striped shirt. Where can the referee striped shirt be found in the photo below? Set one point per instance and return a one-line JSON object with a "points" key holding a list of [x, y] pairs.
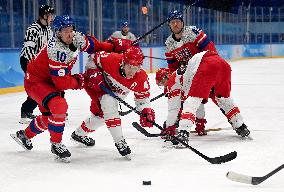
{"points": [[36, 37]]}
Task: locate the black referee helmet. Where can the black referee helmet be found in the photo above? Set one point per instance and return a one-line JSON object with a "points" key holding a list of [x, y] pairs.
{"points": [[45, 9]]}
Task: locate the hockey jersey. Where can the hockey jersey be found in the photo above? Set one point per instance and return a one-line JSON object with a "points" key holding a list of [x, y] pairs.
{"points": [[193, 41], [110, 64], [55, 61]]}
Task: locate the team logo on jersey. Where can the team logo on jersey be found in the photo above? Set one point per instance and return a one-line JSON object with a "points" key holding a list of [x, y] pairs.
{"points": [[61, 72]]}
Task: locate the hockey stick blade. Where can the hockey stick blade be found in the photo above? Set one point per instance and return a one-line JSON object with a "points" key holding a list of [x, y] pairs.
{"points": [[237, 177], [147, 134], [144, 132], [214, 160]]}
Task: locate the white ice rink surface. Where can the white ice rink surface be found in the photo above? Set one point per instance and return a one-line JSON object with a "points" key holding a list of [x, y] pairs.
{"points": [[257, 88]]}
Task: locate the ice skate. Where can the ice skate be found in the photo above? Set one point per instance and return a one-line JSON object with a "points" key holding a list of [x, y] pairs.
{"points": [[21, 138], [168, 135], [182, 136], [243, 131], [169, 141], [88, 141], [123, 149], [61, 152], [26, 118]]}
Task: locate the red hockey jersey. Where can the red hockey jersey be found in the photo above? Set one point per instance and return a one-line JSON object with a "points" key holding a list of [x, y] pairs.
{"points": [[55, 61], [111, 65]]}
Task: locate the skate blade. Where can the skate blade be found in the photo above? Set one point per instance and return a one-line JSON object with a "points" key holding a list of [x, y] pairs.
{"points": [[80, 144], [127, 157], [248, 138], [64, 160], [14, 136], [179, 146], [25, 121], [168, 145]]}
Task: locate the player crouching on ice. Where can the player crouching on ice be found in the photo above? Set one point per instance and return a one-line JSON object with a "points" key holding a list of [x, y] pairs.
{"points": [[187, 89], [48, 74], [121, 73]]}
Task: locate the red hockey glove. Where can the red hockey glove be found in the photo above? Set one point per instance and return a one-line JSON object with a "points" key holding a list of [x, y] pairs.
{"points": [[80, 79], [121, 45], [147, 114], [95, 78]]}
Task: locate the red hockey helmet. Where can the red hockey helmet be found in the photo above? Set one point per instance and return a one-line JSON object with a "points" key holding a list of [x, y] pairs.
{"points": [[161, 74], [133, 56]]}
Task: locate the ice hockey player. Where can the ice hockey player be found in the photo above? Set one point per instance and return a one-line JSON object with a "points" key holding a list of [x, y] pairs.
{"points": [[48, 74], [121, 73], [187, 90], [181, 45], [124, 33]]}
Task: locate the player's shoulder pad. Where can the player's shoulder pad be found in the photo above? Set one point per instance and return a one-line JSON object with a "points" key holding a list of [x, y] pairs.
{"points": [[116, 34], [170, 42], [108, 56], [142, 80], [107, 59], [190, 33]]}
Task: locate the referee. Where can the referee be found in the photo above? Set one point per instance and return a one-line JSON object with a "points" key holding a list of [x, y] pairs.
{"points": [[36, 37]]}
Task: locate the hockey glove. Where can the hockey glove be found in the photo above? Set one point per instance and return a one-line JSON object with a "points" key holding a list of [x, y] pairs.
{"points": [[95, 78], [147, 117], [120, 45], [80, 79]]}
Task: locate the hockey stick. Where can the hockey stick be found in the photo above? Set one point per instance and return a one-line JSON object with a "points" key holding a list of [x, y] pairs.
{"points": [[147, 134], [155, 57], [249, 179], [123, 113], [147, 33], [215, 160]]}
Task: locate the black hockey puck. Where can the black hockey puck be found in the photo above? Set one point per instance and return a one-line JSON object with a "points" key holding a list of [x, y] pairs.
{"points": [[146, 182]]}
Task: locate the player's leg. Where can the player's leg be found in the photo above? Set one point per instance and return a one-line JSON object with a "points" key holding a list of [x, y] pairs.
{"points": [[234, 116], [27, 110], [112, 119], [225, 102], [39, 124], [56, 123], [200, 120], [89, 125], [188, 117]]}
